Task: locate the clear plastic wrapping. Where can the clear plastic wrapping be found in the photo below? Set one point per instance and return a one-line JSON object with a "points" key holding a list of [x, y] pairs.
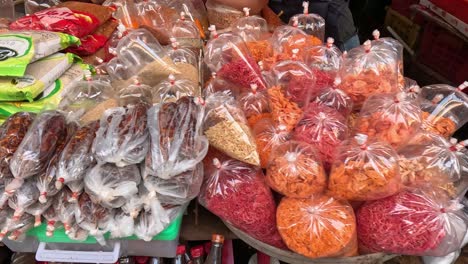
{"points": [[37, 209], [24, 197], [295, 170], [93, 217], [392, 118], [52, 219], [327, 58], [250, 28], [122, 225], [393, 46], [65, 209], [292, 41], [283, 110], [226, 128], [221, 16], [177, 144], [255, 104], [364, 170], [422, 222], [39, 145], [335, 98], [19, 228], [312, 24], [237, 193], [110, 186], [317, 227], [268, 135], [187, 33], [185, 60], [194, 10], [174, 88]]}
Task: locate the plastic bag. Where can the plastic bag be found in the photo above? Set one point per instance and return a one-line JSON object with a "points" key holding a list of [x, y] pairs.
{"points": [[39, 145], [33, 6], [364, 170], [416, 222], [45, 182], [65, 209], [173, 89], [226, 128], [6, 215], [324, 128], [367, 70], [122, 225], [25, 196], [216, 84], [326, 58], [37, 209], [90, 44], [292, 41], [392, 118], [76, 159], [122, 137], [237, 193], [450, 109], [283, 110], [187, 33], [395, 47], [250, 28], [335, 98], [317, 227], [221, 16], [52, 218], [133, 205], [18, 229], [185, 61], [178, 190], [268, 135], [111, 186], [194, 10], [93, 218], [312, 24], [295, 170], [177, 144], [125, 11], [254, 104]]}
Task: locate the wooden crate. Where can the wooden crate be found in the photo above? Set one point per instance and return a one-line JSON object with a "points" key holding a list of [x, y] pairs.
{"points": [[403, 26]]}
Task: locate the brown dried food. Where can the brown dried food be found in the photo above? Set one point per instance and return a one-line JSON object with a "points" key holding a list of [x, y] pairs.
{"points": [[39, 145], [89, 212]]}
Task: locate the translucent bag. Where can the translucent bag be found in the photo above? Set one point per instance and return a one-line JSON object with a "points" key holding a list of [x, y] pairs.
{"points": [[122, 225], [318, 227], [194, 10], [287, 39], [111, 186], [65, 209], [268, 135], [422, 222], [185, 61], [283, 110], [173, 89], [216, 84], [18, 229], [255, 105], [450, 110], [125, 12], [93, 218], [327, 58], [312, 24], [228, 56], [37, 209], [392, 118], [52, 219], [39, 145], [25, 196], [122, 137], [296, 80], [238, 194], [395, 47], [76, 158], [364, 170], [178, 190], [250, 28], [367, 70], [226, 128], [177, 144], [412, 89], [332, 96], [295, 170], [188, 34], [33, 6], [221, 16], [6, 214], [324, 128]]}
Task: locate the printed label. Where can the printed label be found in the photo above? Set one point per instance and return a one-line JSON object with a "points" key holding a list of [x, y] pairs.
{"points": [[13, 46]]}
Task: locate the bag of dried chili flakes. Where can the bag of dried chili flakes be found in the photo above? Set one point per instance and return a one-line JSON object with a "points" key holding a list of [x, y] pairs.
{"points": [[422, 222], [364, 170], [237, 193]]}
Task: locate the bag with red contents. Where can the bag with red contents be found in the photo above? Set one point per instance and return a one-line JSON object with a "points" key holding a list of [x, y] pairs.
{"points": [[90, 44], [422, 222], [74, 18], [364, 170], [324, 128], [228, 56], [238, 194], [312, 24], [449, 109], [93, 218], [325, 61], [332, 96], [392, 118], [369, 69]]}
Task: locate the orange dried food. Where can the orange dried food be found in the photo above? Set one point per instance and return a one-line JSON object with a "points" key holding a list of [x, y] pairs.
{"points": [[364, 171], [267, 136], [443, 126], [254, 119], [283, 111], [295, 170], [300, 42], [317, 227], [260, 49]]}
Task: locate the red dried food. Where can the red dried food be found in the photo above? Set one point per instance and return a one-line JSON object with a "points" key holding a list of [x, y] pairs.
{"points": [[244, 72]]}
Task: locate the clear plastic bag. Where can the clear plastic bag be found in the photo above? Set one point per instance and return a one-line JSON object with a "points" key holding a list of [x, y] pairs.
{"points": [[221, 16], [188, 34], [173, 89], [185, 61], [125, 12], [292, 41], [364, 170], [332, 96], [122, 225], [93, 218], [122, 137], [216, 84], [392, 118], [37, 209], [33, 6], [6, 214], [312, 24], [25, 196], [326, 58], [268, 135], [76, 158], [133, 205], [194, 10], [295, 170], [39, 145], [237, 193], [255, 105], [324, 128], [450, 109], [250, 28], [422, 222], [412, 89], [318, 227], [226, 128], [65, 209], [52, 219], [177, 144], [19, 228], [395, 47], [369, 69], [111, 186], [283, 110]]}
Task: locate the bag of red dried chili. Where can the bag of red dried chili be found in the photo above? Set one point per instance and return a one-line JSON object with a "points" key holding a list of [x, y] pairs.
{"points": [[74, 18], [237, 193], [422, 222]]}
